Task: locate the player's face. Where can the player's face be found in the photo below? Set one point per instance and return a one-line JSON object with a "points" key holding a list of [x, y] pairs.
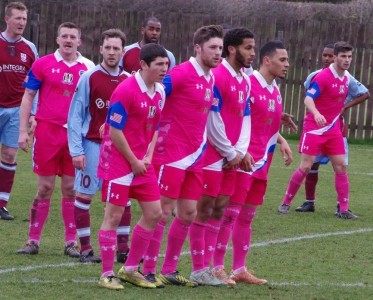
{"points": [[343, 60], [152, 32], [279, 63], [327, 57], [16, 23], [68, 40], [245, 53], [111, 51], [210, 52], [157, 69]]}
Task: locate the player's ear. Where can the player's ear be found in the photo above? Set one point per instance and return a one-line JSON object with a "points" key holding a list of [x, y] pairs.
{"points": [[143, 65], [231, 49]]}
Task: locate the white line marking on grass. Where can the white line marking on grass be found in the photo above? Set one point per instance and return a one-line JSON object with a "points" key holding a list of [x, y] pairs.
{"points": [[94, 281], [261, 244], [302, 237]]}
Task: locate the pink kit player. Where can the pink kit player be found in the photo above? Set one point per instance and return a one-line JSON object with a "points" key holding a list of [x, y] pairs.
{"points": [[321, 131], [228, 129], [55, 76], [250, 188], [180, 148], [125, 165]]}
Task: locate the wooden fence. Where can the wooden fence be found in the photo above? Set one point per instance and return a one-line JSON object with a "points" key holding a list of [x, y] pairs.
{"points": [[303, 39]]}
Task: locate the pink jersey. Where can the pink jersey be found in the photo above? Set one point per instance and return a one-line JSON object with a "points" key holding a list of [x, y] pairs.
{"points": [[329, 92], [16, 59], [137, 114], [266, 112], [230, 109], [182, 133], [56, 81]]}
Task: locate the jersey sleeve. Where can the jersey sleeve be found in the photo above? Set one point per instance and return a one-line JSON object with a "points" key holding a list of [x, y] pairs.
{"points": [[77, 114], [309, 78], [172, 60], [117, 116], [216, 129], [355, 89], [167, 83], [244, 140]]}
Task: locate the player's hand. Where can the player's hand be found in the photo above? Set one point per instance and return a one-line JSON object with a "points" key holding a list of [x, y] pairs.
{"points": [[138, 167], [233, 164], [147, 160], [320, 120], [247, 163], [24, 141], [79, 162], [286, 153], [32, 123], [287, 121], [102, 130]]}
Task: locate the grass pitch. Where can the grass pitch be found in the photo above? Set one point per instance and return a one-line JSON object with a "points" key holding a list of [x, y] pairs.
{"points": [[303, 255]]}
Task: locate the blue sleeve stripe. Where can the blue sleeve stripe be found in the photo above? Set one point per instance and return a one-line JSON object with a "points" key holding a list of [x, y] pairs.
{"points": [[117, 116], [32, 83], [313, 91], [218, 100], [167, 84], [247, 111]]}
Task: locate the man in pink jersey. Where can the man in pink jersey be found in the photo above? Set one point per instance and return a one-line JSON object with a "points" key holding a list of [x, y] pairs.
{"points": [[125, 164], [16, 57], [87, 114], [55, 76], [180, 148], [151, 33], [250, 187], [321, 130], [228, 132]]}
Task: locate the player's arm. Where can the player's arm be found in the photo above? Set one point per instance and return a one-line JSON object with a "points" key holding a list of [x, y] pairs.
{"points": [[217, 136], [77, 113], [285, 150], [117, 117], [149, 154], [357, 93], [245, 135], [25, 111], [312, 93]]}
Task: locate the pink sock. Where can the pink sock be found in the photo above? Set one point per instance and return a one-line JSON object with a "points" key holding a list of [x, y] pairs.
{"points": [[139, 243], [176, 237], [107, 240], [68, 216], [229, 218], [310, 184], [7, 173], [152, 253], [124, 228], [294, 185], [211, 235], [83, 224], [197, 245], [241, 236], [342, 186], [38, 214]]}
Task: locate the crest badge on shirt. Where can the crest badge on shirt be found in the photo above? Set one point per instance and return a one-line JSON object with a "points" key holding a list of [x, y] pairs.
{"points": [[23, 57], [341, 89], [67, 78], [152, 111], [240, 97], [208, 95], [271, 105]]}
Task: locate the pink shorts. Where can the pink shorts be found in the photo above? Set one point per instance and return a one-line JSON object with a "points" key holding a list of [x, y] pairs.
{"points": [[249, 190], [313, 144], [177, 183], [51, 154], [219, 182], [119, 194]]}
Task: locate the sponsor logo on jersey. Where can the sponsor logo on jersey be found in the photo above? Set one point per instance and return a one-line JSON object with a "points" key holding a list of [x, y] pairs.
{"points": [[67, 78], [152, 111], [233, 88], [334, 85], [23, 57], [271, 105], [262, 97], [199, 86], [55, 71], [143, 104], [240, 97], [101, 103], [12, 68]]}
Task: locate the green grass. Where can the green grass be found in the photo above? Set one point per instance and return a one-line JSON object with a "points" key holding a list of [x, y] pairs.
{"points": [[329, 267]]}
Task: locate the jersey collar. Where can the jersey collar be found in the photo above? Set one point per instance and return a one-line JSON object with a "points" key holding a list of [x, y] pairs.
{"points": [[263, 82], [142, 85], [226, 64], [199, 69], [334, 72], [59, 57]]}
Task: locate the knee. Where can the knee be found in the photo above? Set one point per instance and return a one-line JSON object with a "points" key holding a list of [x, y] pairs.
{"points": [[205, 213], [187, 216], [218, 212], [45, 190], [8, 155]]}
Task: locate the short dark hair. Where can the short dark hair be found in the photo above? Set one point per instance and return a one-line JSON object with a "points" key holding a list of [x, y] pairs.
{"points": [[329, 46], [114, 33], [235, 37], [14, 5], [68, 25], [151, 51], [269, 49], [204, 33], [342, 47], [148, 19]]}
